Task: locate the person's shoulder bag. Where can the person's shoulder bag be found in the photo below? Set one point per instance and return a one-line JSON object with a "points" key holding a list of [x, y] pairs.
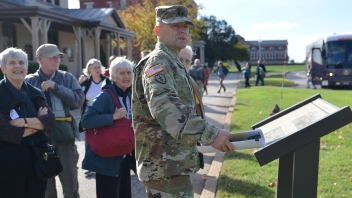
{"points": [[111, 141], [47, 162]]}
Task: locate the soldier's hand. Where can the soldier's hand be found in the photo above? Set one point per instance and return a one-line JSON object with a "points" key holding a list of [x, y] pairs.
{"points": [[222, 142]]}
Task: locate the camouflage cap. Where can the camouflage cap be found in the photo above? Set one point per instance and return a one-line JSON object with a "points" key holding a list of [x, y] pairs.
{"points": [[172, 14]]}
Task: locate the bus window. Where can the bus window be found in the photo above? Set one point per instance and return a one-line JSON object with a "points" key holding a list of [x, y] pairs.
{"points": [[336, 52], [317, 57], [349, 52]]}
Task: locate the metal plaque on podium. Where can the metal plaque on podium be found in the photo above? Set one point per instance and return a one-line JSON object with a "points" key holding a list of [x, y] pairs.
{"points": [[293, 136]]}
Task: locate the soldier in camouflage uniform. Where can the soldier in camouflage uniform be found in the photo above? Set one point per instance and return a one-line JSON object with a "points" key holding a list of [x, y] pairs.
{"points": [[167, 127]]}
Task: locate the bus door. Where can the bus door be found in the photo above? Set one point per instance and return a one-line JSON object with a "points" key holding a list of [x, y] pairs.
{"points": [[318, 69]]}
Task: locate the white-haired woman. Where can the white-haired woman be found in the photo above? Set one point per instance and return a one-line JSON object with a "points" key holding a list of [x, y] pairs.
{"points": [[113, 173], [91, 82], [24, 114]]}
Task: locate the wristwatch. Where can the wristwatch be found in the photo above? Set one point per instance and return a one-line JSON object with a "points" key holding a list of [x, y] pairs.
{"points": [[25, 122]]}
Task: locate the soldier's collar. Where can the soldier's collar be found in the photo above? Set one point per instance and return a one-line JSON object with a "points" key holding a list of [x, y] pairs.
{"points": [[167, 49]]}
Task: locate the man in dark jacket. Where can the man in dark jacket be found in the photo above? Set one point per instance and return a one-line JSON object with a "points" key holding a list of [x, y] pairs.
{"points": [[260, 73], [62, 92], [221, 71], [201, 77]]}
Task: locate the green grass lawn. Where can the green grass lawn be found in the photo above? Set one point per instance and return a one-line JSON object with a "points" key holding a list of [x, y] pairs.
{"points": [[274, 80], [241, 175], [281, 68], [273, 68]]}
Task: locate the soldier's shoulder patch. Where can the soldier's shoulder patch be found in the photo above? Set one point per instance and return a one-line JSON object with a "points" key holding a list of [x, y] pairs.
{"points": [[160, 78], [154, 70]]}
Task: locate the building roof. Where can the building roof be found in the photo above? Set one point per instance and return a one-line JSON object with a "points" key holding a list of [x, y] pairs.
{"points": [[93, 14], [12, 3], [86, 18]]}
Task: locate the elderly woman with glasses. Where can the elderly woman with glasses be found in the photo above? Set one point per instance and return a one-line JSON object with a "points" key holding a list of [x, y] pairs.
{"points": [[24, 114]]}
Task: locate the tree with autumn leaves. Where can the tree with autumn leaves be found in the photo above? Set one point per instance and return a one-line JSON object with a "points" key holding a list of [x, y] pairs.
{"points": [[140, 19]]}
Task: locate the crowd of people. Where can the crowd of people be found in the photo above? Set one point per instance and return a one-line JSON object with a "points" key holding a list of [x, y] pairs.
{"points": [[167, 114]]}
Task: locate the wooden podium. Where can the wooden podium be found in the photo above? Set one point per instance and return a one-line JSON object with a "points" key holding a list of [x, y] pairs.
{"points": [[293, 137]]}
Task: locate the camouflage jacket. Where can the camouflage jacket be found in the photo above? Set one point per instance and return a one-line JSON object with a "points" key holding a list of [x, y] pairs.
{"points": [[165, 120]]}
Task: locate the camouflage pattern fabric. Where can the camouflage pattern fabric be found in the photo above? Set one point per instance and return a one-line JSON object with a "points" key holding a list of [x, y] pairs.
{"points": [[166, 124], [172, 14], [174, 186]]}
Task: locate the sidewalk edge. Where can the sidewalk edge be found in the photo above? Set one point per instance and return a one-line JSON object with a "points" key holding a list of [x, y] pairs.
{"points": [[209, 190]]}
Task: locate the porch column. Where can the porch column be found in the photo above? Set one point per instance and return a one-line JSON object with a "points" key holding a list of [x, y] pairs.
{"points": [[108, 46], [84, 45], [117, 36], [97, 42], [202, 59], [78, 33], [129, 48], [33, 29], [112, 46], [44, 28]]}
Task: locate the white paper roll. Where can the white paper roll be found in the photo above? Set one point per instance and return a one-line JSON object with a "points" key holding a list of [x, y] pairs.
{"points": [[239, 145]]}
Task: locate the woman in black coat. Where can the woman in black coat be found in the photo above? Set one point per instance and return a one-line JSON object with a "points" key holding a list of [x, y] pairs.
{"points": [[24, 113]]}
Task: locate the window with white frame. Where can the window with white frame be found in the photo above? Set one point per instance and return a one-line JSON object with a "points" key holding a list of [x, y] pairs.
{"points": [[109, 4], [89, 4]]}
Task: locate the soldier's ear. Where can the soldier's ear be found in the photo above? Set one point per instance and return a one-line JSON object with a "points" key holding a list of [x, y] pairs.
{"points": [[157, 30]]}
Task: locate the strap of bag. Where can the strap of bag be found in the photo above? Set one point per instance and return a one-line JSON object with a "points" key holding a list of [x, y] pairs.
{"points": [[117, 103]]}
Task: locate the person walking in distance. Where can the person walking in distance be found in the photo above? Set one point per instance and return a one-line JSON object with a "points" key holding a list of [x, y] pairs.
{"points": [[247, 74], [63, 92], [221, 71], [167, 126], [310, 77], [260, 73]]}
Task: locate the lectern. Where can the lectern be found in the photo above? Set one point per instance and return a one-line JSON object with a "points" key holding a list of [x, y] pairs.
{"points": [[293, 136]]}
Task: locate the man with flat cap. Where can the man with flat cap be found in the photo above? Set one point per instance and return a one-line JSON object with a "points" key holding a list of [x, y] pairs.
{"points": [[62, 92], [167, 126]]}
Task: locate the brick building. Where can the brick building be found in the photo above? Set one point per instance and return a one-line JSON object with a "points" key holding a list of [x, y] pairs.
{"points": [[269, 51]]}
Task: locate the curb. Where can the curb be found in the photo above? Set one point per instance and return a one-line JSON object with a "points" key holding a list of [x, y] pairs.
{"points": [[211, 184]]}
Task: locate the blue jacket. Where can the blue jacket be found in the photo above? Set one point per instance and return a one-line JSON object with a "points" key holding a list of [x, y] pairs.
{"points": [[224, 69], [98, 115], [247, 72]]}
